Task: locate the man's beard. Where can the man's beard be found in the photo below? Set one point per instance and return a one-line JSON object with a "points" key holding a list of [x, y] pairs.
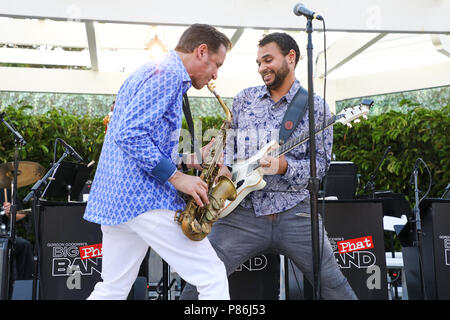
{"points": [[279, 76]]}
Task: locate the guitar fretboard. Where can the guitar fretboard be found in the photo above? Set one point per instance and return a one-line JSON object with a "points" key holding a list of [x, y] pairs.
{"points": [[294, 142]]}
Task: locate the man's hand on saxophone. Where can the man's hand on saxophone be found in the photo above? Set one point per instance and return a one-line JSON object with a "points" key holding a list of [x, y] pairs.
{"points": [[224, 171], [191, 185], [191, 161]]}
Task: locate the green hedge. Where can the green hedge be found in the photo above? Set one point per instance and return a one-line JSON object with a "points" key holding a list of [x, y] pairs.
{"points": [[420, 133], [40, 131]]}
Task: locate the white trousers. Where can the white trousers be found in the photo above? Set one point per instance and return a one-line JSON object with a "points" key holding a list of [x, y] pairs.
{"points": [[125, 246]]}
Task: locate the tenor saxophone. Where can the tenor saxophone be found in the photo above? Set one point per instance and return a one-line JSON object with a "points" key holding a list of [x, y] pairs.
{"points": [[195, 221]]}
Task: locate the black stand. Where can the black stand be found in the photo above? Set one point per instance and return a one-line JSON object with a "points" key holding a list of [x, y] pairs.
{"points": [[165, 284], [314, 182], [371, 183], [67, 181], [419, 233], [36, 194], [446, 193], [19, 142], [165, 281]]}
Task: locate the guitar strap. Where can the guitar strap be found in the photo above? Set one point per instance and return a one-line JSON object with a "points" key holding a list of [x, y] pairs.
{"points": [[190, 124], [294, 113]]}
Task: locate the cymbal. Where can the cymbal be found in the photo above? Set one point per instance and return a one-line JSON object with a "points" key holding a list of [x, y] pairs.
{"points": [[28, 173]]}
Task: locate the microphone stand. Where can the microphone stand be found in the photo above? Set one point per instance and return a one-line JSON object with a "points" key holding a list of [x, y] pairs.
{"points": [[445, 191], [314, 182], [36, 194], [19, 142], [371, 183], [418, 229]]}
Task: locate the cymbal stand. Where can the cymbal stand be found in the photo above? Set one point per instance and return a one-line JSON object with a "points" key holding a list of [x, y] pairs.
{"points": [[19, 142], [36, 194]]}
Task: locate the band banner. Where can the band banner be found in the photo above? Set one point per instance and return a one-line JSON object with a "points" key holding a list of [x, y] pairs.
{"points": [[70, 247]]}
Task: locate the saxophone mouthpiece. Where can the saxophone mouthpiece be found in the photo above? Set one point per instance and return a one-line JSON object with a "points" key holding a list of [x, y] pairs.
{"points": [[211, 86]]}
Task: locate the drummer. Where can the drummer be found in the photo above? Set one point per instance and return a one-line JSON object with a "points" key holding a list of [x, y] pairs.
{"points": [[20, 214], [23, 266], [28, 173]]}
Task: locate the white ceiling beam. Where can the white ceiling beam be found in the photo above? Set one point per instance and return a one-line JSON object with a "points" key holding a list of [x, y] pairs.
{"points": [[421, 77], [236, 36], [60, 80], [442, 43], [96, 82], [416, 16], [90, 82], [343, 50], [57, 57], [42, 32], [72, 34], [92, 44]]}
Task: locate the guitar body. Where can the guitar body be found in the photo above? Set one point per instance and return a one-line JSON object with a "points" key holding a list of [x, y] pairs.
{"points": [[246, 179], [253, 182]]}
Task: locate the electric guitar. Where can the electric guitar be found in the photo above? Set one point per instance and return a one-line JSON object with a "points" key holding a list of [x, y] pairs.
{"points": [[248, 176]]}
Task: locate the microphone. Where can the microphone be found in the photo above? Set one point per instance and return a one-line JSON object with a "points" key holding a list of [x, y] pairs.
{"points": [[416, 166], [300, 10], [446, 191], [370, 183], [386, 151], [71, 150]]}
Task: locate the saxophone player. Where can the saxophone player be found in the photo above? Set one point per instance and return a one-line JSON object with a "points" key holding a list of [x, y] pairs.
{"points": [[135, 189]]}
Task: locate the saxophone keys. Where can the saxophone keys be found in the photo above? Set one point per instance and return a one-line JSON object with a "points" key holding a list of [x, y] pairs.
{"points": [[206, 228], [195, 226]]}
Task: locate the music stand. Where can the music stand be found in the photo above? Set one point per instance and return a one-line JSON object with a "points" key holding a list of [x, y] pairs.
{"points": [[341, 180], [69, 179], [394, 204]]}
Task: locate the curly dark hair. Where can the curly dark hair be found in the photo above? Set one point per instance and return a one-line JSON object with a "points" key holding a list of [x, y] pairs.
{"points": [[198, 34], [284, 41]]}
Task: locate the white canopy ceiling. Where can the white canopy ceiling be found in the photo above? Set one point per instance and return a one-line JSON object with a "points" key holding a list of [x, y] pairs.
{"points": [[373, 46]]}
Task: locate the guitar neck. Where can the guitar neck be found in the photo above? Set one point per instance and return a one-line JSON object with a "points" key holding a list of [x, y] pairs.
{"points": [[294, 142]]}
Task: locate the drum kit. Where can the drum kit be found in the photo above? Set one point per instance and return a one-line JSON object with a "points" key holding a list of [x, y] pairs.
{"points": [[28, 172]]}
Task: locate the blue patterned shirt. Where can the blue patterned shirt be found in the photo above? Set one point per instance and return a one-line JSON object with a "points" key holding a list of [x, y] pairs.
{"points": [[256, 121], [140, 147]]}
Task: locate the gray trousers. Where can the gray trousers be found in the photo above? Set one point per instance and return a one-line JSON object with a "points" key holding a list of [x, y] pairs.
{"points": [[241, 235]]}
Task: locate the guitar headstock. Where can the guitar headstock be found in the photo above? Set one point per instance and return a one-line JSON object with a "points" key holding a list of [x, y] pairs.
{"points": [[354, 114]]}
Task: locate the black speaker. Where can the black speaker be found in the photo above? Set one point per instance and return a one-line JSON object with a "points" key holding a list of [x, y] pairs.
{"points": [[355, 230], [341, 180], [435, 218], [66, 272], [356, 233], [256, 279], [4, 268]]}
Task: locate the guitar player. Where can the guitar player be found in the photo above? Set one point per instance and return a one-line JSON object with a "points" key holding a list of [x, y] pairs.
{"points": [[277, 217]]}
